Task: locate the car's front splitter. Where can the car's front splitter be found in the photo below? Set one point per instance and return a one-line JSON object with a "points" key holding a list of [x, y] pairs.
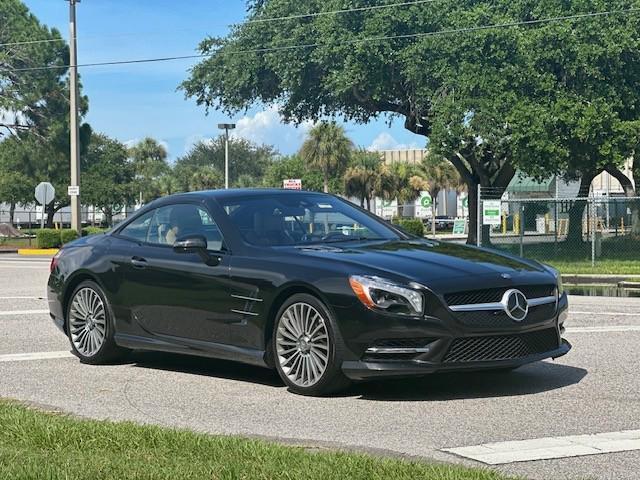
{"points": [[362, 370]]}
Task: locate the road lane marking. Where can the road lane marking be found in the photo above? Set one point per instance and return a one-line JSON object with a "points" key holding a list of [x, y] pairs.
{"points": [[22, 298], [23, 312], [611, 329], [623, 314], [550, 447], [24, 357]]}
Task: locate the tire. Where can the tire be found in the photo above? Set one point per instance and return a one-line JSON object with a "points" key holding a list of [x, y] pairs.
{"points": [[90, 326], [308, 353]]}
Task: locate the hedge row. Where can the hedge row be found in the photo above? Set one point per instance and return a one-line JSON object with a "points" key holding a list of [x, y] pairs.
{"points": [[410, 225], [51, 238]]}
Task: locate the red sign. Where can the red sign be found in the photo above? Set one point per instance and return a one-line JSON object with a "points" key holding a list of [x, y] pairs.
{"points": [[292, 184]]}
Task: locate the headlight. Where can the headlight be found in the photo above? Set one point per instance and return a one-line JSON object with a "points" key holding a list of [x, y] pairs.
{"points": [[379, 293]]}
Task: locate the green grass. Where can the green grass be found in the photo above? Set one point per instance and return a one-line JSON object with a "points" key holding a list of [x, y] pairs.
{"points": [[16, 242], [35, 444], [620, 256], [602, 267]]}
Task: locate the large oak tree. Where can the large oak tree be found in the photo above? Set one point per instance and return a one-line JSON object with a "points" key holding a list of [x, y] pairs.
{"points": [[472, 91]]}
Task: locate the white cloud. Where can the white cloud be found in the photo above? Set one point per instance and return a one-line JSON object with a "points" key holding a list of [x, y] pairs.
{"points": [[267, 127], [385, 141]]}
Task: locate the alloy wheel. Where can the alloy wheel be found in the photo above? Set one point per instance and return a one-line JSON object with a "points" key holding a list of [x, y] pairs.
{"points": [[302, 344], [87, 322]]}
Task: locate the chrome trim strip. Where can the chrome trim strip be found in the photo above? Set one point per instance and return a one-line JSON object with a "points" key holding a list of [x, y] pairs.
{"points": [[397, 350], [242, 312], [534, 302], [477, 307], [242, 297]]}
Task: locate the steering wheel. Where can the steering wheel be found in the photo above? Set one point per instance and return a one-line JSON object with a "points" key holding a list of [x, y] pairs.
{"points": [[332, 235]]}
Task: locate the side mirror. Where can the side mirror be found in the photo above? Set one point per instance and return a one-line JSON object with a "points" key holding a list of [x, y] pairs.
{"points": [[195, 244], [190, 244]]}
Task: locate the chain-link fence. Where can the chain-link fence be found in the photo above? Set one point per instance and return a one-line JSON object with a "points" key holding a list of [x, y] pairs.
{"points": [[582, 229], [32, 218]]}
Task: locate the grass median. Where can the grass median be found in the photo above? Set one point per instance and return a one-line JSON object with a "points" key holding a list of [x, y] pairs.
{"points": [[36, 444]]}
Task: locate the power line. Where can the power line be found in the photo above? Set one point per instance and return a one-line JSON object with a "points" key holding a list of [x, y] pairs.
{"points": [[337, 12], [349, 42], [252, 21]]}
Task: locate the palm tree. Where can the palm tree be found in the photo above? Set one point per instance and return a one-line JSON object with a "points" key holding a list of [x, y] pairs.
{"points": [[400, 182], [327, 148], [360, 178], [438, 174]]}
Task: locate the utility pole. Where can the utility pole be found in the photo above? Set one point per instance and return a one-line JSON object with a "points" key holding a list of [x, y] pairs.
{"points": [[74, 190], [226, 127]]}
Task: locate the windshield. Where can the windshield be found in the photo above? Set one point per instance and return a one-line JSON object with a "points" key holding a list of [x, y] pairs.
{"points": [[302, 219]]}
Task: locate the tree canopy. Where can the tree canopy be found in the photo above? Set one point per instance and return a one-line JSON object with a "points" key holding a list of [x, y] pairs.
{"points": [[248, 163], [109, 176], [544, 97]]}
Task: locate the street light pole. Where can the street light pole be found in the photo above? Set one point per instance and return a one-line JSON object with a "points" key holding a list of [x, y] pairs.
{"points": [[76, 221], [226, 127]]}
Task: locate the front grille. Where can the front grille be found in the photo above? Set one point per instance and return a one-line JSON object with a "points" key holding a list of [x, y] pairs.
{"points": [[492, 295], [499, 318], [502, 347]]}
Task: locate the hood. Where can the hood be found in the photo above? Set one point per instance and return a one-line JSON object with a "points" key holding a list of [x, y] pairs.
{"points": [[437, 265]]}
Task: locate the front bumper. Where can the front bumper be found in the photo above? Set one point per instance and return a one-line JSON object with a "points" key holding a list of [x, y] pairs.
{"points": [[362, 370], [385, 346]]}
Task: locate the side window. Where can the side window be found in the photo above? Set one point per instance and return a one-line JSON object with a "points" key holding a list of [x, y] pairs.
{"points": [[173, 222], [138, 229]]}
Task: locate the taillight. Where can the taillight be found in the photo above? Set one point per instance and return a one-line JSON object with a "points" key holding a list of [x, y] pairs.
{"points": [[54, 261]]}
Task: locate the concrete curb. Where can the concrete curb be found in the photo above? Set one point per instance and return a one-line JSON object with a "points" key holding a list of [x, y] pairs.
{"points": [[8, 250]]}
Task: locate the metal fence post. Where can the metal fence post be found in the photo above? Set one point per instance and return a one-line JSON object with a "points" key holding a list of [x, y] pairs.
{"points": [[593, 230], [479, 219], [522, 229]]}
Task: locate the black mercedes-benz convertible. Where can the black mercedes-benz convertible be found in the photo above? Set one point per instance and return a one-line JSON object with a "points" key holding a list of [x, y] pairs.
{"points": [[305, 283]]}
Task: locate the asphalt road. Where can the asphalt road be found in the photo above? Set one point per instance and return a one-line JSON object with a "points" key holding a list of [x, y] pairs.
{"points": [[594, 389]]}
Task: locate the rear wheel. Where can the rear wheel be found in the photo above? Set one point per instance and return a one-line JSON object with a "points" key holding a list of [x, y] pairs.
{"points": [[90, 326], [307, 347]]}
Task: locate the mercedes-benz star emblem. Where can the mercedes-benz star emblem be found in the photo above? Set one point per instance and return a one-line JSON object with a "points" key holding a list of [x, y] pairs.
{"points": [[515, 305]]}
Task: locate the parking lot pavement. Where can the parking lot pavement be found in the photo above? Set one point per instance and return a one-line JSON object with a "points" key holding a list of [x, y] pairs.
{"points": [[594, 389]]}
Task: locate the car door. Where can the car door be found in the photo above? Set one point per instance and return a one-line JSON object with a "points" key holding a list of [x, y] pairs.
{"points": [[171, 294]]}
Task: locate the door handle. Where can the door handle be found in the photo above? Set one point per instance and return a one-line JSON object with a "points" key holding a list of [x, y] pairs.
{"points": [[138, 262]]}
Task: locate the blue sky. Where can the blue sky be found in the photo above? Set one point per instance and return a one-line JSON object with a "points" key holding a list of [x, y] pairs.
{"points": [[132, 101]]}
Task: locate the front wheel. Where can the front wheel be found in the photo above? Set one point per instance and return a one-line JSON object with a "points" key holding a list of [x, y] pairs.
{"points": [[307, 347], [90, 326]]}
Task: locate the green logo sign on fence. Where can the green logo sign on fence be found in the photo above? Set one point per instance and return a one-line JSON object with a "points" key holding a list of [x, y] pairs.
{"points": [[425, 201], [491, 212]]}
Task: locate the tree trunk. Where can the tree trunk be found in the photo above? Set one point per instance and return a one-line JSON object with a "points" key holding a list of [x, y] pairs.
{"points": [[326, 181], [399, 208], [108, 216], [369, 204], [576, 212], [434, 210], [629, 191], [12, 211], [51, 211]]}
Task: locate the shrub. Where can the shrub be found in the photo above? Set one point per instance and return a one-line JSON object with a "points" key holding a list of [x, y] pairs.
{"points": [[410, 225], [67, 236], [92, 231], [48, 238]]}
